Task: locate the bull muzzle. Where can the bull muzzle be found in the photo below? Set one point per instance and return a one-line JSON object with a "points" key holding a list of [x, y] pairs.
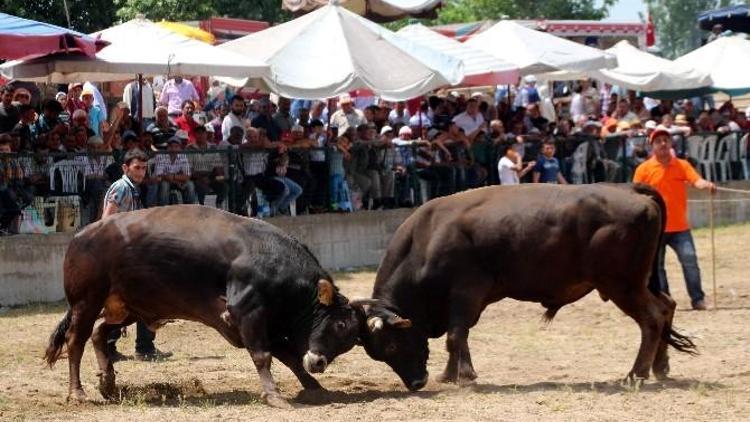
{"points": [[314, 363]]}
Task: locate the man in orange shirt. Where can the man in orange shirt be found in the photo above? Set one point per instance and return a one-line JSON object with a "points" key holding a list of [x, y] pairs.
{"points": [[669, 176]]}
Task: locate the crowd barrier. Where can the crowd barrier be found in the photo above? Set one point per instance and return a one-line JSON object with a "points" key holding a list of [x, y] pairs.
{"points": [[61, 192]]}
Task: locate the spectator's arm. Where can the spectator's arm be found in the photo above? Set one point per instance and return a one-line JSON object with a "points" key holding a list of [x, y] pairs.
{"points": [[535, 177], [109, 209], [163, 97], [526, 169], [561, 180]]}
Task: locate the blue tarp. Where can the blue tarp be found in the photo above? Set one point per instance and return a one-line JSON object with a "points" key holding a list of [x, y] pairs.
{"points": [[733, 18]]}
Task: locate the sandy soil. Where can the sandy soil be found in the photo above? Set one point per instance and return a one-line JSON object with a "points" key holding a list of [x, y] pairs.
{"points": [[569, 370]]}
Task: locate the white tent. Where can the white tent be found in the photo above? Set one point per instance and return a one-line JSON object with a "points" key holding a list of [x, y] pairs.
{"points": [[137, 46], [537, 52], [480, 68], [332, 51], [727, 60], [384, 9]]}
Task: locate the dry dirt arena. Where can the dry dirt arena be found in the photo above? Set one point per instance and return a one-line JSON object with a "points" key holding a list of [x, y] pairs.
{"points": [[570, 370]]}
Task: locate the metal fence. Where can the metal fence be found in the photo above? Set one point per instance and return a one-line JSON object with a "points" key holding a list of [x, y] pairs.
{"points": [[64, 191]]}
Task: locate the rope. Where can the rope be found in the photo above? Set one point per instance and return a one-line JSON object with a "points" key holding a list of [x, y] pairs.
{"points": [[713, 249], [722, 189]]}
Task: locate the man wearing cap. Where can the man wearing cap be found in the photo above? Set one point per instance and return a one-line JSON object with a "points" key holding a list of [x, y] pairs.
{"points": [[471, 120], [669, 176], [528, 94], [174, 94], [74, 98], [173, 172], [95, 114], [347, 116], [122, 196]]}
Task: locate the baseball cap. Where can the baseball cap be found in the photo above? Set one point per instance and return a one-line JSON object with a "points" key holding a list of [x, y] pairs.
{"points": [[345, 99], [386, 129], [87, 91], [298, 128], [650, 124], [660, 130], [530, 78], [128, 135], [405, 130], [174, 140]]}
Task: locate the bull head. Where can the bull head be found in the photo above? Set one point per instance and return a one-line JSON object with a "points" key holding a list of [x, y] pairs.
{"points": [[376, 323]]}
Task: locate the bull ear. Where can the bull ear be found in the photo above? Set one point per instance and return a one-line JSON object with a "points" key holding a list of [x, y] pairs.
{"points": [[375, 324], [326, 292], [399, 322]]}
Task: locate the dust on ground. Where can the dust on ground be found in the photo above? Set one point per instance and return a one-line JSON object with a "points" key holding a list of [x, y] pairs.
{"points": [[569, 370]]}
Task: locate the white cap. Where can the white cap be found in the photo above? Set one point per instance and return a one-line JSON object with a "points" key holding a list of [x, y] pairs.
{"points": [[345, 98], [405, 130], [182, 134], [530, 79], [386, 129], [651, 124]]}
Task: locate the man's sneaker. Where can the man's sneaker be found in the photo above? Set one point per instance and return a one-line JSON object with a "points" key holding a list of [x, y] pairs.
{"points": [[156, 355], [115, 356], [699, 306]]}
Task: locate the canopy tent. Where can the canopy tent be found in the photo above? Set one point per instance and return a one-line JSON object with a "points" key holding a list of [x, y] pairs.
{"points": [[21, 38], [638, 70], [480, 68], [726, 60], [537, 52], [138, 46], [733, 18], [189, 31], [377, 10], [332, 51]]}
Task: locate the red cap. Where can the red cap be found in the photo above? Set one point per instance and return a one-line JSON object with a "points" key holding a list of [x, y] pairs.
{"points": [[657, 132]]}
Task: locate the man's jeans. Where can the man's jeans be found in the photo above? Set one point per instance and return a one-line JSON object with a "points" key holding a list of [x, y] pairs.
{"points": [[144, 339], [682, 244]]}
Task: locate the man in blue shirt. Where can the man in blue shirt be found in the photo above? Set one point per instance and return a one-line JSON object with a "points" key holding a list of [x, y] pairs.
{"points": [[547, 168]]}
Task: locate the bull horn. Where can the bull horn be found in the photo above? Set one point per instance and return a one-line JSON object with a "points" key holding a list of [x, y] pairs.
{"points": [[364, 302], [375, 323]]}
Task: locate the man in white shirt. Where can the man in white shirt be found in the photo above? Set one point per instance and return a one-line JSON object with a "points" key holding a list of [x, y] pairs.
{"points": [[347, 116], [400, 114], [511, 169], [234, 117], [147, 99], [471, 120]]}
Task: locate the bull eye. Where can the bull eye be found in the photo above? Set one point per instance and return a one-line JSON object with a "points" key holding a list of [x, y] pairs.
{"points": [[391, 348], [341, 325]]}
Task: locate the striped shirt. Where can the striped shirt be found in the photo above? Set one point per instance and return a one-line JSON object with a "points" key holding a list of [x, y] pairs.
{"points": [[165, 164], [124, 194]]}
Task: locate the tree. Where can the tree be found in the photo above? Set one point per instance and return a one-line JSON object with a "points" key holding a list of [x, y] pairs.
{"points": [[187, 10], [85, 15], [676, 23], [459, 11]]}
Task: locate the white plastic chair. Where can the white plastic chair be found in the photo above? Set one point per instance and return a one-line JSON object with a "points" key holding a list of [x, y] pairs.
{"points": [[579, 173], [70, 173], [723, 151], [707, 157], [743, 156], [694, 146]]}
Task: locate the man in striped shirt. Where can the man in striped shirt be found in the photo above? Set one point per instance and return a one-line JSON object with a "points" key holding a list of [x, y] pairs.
{"points": [[173, 172]]}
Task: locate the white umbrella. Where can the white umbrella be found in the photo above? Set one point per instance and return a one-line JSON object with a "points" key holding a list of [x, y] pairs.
{"points": [[727, 60], [138, 46], [383, 9], [537, 52], [641, 71], [332, 51], [480, 68]]}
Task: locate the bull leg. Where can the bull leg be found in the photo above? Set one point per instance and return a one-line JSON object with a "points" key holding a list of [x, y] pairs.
{"points": [[106, 368], [287, 356], [82, 323], [647, 311], [253, 329], [661, 361], [464, 313]]}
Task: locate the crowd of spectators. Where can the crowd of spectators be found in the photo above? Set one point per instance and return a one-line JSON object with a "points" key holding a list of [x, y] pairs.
{"points": [[264, 157]]}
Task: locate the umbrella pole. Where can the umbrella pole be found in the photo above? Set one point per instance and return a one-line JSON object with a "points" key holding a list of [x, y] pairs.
{"points": [[140, 104]]}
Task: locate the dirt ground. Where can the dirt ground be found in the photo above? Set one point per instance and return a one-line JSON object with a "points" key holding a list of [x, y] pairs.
{"points": [[569, 370]]}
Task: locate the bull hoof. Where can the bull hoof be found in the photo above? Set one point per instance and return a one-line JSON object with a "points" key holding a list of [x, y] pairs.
{"points": [[77, 396], [467, 375], [661, 370], [633, 381], [275, 400], [107, 387]]}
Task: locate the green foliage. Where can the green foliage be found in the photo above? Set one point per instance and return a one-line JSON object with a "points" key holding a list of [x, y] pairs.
{"points": [[85, 15], [475, 10], [171, 10], [676, 23]]}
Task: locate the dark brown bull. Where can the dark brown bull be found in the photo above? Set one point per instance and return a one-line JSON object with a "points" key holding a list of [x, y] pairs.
{"points": [[539, 243], [258, 287]]}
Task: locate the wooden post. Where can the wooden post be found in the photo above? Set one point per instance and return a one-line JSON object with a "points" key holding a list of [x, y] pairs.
{"points": [[713, 246]]}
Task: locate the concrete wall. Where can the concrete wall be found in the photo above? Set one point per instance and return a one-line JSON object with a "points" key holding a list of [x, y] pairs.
{"points": [[31, 266]]}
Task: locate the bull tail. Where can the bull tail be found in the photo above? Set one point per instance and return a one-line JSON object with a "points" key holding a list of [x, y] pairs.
{"points": [[654, 285], [57, 340], [680, 342]]}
